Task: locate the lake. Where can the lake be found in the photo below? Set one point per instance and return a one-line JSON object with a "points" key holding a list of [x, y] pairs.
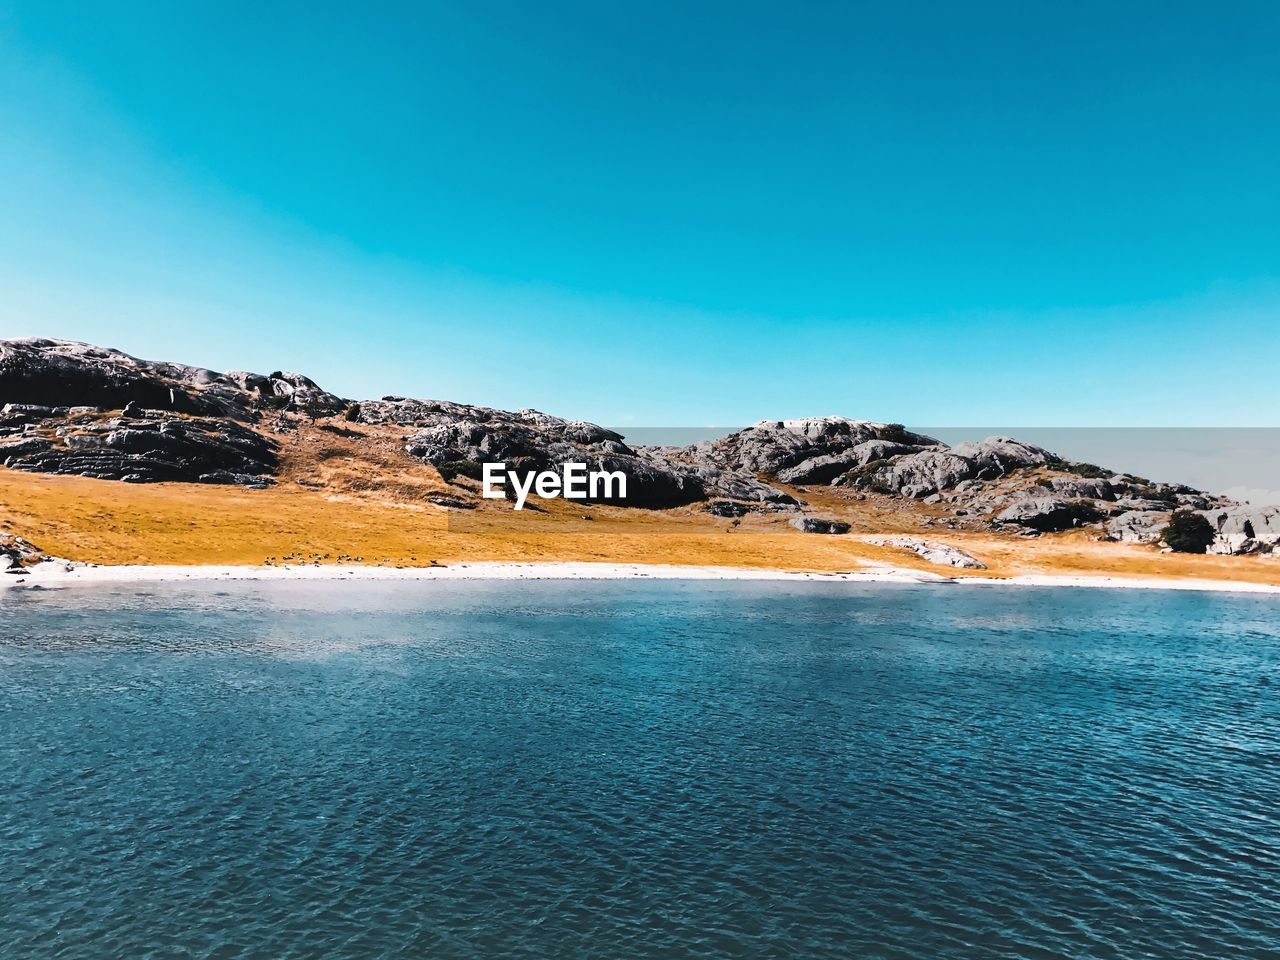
{"points": [[638, 770]]}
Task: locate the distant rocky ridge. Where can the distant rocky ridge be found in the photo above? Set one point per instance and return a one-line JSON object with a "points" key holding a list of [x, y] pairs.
{"points": [[72, 408], [456, 438]]}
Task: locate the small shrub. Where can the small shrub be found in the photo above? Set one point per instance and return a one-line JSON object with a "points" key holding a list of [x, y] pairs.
{"points": [[352, 414], [1090, 471], [1188, 532], [894, 433]]}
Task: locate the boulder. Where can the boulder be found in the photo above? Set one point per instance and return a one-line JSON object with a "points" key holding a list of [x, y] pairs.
{"points": [[996, 456], [1047, 514], [916, 475], [15, 552], [1137, 526], [818, 525]]}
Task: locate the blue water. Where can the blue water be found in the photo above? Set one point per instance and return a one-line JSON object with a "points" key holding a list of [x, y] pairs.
{"points": [[638, 770]]}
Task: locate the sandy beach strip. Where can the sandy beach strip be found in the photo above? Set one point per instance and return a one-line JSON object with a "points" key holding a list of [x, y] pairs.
{"points": [[61, 573]]}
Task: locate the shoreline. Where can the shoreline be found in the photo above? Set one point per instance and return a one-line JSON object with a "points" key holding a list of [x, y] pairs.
{"points": [[61, 573]]}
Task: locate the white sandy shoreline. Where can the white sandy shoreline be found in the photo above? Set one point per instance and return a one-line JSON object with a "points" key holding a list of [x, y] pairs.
{"points": [[59, 573]]}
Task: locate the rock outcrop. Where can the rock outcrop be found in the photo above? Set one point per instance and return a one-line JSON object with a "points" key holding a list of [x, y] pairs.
{"points": [[931, 550], [64, 373], [819, 525], [16, 553], [772, 446], [1136, 526], [147, 447], [1242, 528], [72, 408], [456, 438], [1048, 514], [939, 468]]}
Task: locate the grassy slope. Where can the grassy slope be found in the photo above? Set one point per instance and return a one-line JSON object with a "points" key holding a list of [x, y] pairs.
{"points": [[358, 495]]}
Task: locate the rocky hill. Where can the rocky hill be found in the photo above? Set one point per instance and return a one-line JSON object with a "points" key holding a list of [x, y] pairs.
{"points": [[72, 408]]}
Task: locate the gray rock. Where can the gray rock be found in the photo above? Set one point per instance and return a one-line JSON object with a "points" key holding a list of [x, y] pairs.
{"points": [[63, 374], [996, 456], [918, 474], [1082, 488], [818, 525], [932, 551], [726, 508], [773, 445], [1143, 504], [1244, 528], [15, 552], [827, 467], [449, 433], [149, 451], [821, 469], [1138, 526], [1046, 514]]}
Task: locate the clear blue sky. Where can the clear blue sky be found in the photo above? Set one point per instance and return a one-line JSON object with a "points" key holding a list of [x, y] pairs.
{"points": [[662, 214]]}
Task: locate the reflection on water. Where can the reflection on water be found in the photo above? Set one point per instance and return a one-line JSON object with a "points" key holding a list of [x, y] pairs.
{"points": [[638, 770]]}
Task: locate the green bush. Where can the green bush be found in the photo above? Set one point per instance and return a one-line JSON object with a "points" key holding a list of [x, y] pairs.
{"points": [[353, 413], [1090, 471], [1188, 532], [894, 433]]}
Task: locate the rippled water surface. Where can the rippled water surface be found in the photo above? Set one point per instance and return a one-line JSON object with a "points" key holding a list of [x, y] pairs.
{"points": [[638, 770]]}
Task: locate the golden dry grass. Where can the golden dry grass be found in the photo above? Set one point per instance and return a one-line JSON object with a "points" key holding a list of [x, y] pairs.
{"points": [[357, 495]]}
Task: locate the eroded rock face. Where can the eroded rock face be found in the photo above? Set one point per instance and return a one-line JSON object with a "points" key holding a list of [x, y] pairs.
{"points": [[148, 448], [64, 373], [771, 446], [73, 408], [1080, 488], [1243, 528], [996, 456], [827, 467], [917, 474]]}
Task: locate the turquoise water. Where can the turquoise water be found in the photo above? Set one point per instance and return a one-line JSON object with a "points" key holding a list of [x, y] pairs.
{"points": [[650, 770]]}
